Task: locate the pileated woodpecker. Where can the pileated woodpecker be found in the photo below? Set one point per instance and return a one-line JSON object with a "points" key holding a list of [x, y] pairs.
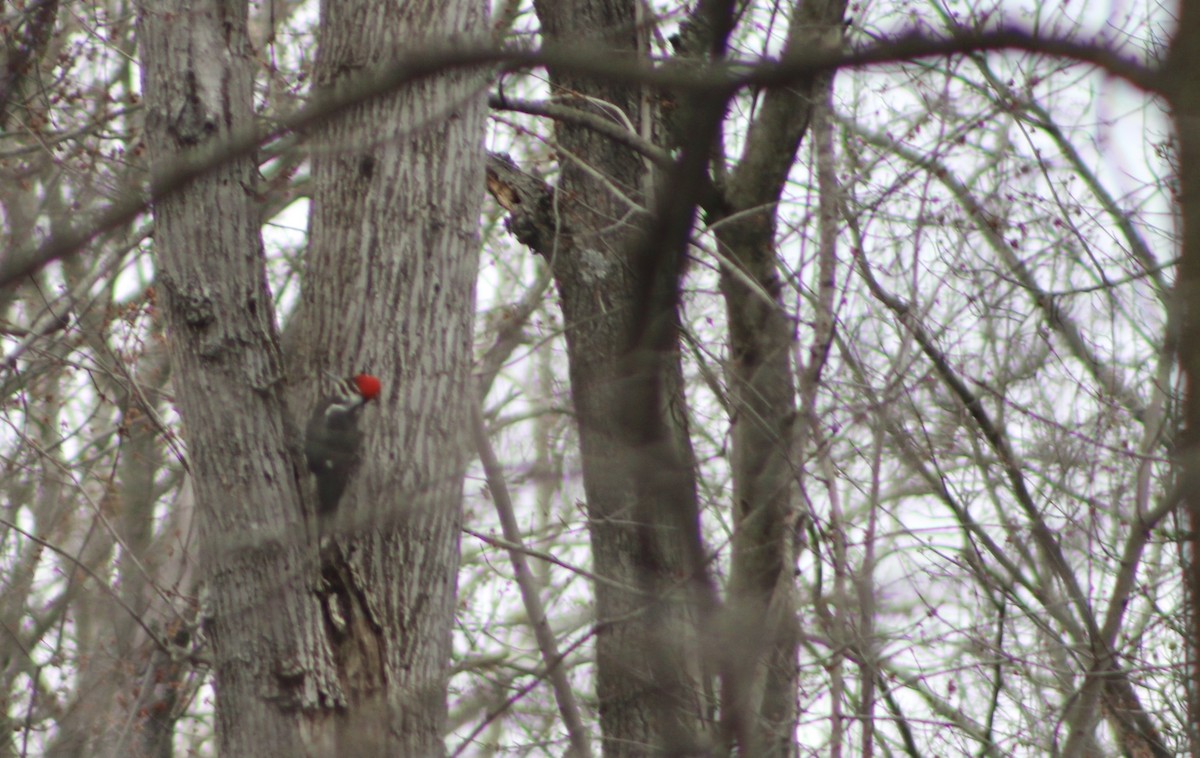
{"points": [[332, 438]]}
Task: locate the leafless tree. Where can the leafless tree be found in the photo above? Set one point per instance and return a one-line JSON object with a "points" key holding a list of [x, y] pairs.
{"points": [[821, 363]]}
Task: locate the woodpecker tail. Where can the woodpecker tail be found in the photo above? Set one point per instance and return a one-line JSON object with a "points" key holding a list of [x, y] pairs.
{"points": [[329, 491]]}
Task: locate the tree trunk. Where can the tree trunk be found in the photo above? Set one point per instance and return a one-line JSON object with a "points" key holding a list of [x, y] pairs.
{"points": [[228, 377], [647, 656], [389, 289], [1183, 91], [762, 392]]}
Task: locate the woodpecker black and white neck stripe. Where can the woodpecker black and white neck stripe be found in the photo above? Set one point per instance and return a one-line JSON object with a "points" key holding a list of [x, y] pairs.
{"points": [[345, 396]]}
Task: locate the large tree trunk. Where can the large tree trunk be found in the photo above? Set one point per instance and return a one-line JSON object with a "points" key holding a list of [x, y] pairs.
{"points": [[389, 289], [350, 660], [228, 374]]}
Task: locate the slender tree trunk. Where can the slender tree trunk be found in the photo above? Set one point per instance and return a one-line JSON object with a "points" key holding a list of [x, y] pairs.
{"points": [[1183, 90], [762, 393], [647, 654]]}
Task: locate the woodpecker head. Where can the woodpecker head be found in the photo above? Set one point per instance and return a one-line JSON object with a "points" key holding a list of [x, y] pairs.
{"points": [[351, 393], [368, 386], [332, 438]]}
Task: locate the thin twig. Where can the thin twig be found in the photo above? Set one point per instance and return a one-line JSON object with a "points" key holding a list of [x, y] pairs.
{"points": [[563, 695]]}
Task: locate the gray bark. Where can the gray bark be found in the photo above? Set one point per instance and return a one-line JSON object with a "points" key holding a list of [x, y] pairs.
{"points": [[389, 289], [647, 656], [762, 394], [263, 622], [1183, 93]]}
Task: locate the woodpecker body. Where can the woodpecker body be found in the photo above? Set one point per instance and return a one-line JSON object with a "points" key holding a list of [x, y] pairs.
{"points": [[332, 438]]}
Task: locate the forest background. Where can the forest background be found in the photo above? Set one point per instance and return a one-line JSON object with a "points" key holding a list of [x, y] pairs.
{"points": [[760, 378]]}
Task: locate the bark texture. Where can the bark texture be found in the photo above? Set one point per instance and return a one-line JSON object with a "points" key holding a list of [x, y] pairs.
{"points": [[1183, 92], [647, 682], [762, 394], [389, 289], [228, 373]]}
